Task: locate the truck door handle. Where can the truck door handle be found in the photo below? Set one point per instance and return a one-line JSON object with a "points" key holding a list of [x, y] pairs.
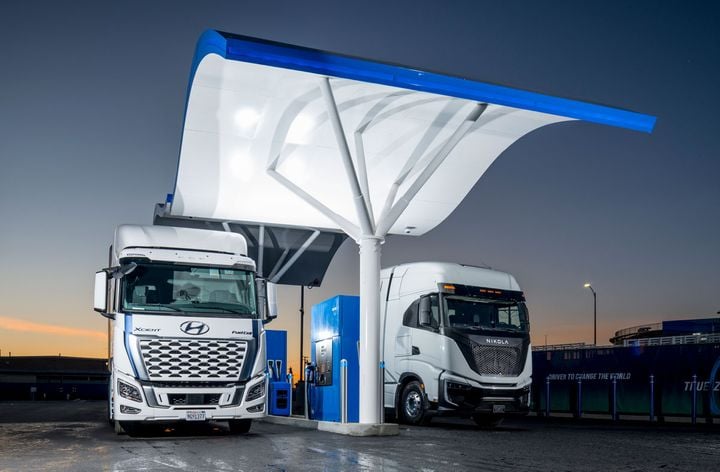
{"points": [[415, 350]]}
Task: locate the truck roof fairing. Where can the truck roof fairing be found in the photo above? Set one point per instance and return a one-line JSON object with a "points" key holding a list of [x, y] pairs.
{"points": [[166, 237]]}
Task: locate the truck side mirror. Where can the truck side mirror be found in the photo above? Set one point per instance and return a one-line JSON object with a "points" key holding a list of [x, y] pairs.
{"points": [[267, 299], [424, 312], [100, 302], [272, 301]]}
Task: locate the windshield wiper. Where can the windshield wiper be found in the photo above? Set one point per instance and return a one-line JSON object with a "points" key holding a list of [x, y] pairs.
{"points": [[154, 307], [484, 328], [228, 310]]}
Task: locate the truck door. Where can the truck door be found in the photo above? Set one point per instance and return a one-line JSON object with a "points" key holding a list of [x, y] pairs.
{"points": [[425, 345], [403, 344]]}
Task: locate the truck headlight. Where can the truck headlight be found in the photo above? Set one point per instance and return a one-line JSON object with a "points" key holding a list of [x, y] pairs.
{"points": [[255, 392], [457, 386], [129, 410], [129, 391]]}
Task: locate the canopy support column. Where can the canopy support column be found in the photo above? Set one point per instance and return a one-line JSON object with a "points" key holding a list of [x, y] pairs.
{"points": [[370, 381], [360, 199]]}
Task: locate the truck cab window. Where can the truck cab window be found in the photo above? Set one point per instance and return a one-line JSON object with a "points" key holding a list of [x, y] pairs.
{"points": [[170, 288], [476, 313], [410, 318]]}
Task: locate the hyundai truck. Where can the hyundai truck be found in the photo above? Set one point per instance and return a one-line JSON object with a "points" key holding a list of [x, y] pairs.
{"points": [[456, 342], [186, 313]]}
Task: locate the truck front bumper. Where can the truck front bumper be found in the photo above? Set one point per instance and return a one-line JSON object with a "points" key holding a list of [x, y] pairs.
{"points": [[178, 403], [463, 399]]}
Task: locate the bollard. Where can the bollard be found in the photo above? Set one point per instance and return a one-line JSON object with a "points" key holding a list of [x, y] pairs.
{"points": [[693, 411], [652, 398], [614, 399], [289, 380], [343, 390], [307, 400], [579, 398], [381, 402], [547, 396]]}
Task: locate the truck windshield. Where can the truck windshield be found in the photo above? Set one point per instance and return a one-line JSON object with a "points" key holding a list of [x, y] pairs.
{"points": [[480, 314], [172, 288]]}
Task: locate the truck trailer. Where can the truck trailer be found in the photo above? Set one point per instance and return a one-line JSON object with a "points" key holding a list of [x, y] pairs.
{"points": [[456, 341], [186, 327]]}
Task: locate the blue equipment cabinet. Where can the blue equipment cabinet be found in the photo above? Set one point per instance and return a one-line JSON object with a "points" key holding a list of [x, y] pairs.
{"points": [[334, 335], [276, 342], [280, 390], [280, 399]]}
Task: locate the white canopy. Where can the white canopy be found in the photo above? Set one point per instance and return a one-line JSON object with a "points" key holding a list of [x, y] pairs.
{"points": [[259, 126]]}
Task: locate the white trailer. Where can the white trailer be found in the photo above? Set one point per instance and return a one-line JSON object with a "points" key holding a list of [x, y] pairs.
{"points": [[456, 342], [186, 314]]}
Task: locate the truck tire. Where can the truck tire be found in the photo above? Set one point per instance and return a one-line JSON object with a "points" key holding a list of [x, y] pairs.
{"points": [[239, 426], [118, 427], [487, 421], [412, 408], [130, 428]]}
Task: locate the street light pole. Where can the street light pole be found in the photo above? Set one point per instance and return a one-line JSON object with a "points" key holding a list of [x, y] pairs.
{"points": [[587, 285], [302, 326]]}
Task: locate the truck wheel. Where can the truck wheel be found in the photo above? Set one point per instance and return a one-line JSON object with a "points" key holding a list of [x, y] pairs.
{"points": [[118, 427], [130, 428], [412, 405], [487, 421], [239, 426]]}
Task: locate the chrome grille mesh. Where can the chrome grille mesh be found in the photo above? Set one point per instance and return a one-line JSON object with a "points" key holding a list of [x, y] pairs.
{"points": [[192, 359], [492, 360]]}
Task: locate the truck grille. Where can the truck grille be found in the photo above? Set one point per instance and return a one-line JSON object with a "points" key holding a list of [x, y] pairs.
{"points": [[192, 359], [194, 398], [492, 360]]}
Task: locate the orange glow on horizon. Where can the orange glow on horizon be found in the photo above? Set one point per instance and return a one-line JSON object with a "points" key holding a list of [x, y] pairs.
{"points": [[28, 338], [15, 324]]}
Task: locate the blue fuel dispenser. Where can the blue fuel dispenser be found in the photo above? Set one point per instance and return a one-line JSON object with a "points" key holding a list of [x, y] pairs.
{"points": [[280, 390], [334, 335]]}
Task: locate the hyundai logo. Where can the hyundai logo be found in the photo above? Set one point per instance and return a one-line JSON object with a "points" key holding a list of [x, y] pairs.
{"points": [[194, 327]]}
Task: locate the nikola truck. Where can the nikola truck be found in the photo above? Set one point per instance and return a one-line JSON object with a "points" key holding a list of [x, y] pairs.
{"points": [[186, 333], [456, 342]]}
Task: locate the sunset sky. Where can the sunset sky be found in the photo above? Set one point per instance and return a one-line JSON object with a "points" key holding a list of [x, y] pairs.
{"points": [[92, 96]]}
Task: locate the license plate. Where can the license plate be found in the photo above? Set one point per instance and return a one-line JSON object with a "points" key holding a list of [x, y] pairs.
{"points": [[195, 415], [498, 408]]}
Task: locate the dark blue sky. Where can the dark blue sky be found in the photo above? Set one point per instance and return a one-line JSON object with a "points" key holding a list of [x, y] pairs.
{"points": [[92, 96]]}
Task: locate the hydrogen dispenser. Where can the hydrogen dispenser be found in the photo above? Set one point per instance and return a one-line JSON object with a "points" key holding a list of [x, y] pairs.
{"points": [[334, 336]]}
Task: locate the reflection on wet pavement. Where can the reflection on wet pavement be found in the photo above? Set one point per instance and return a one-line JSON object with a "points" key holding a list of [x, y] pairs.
{"points": [[83, 442]]}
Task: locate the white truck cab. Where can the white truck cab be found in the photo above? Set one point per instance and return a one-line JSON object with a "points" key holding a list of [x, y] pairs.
{"points": [[456, 342], [186, 314]]}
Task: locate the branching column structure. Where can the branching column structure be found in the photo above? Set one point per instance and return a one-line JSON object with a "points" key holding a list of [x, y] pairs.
{"points": [[370, 234]]}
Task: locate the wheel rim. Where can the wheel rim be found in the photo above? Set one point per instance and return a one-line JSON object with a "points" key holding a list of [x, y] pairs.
{"points": [[413, 404]]}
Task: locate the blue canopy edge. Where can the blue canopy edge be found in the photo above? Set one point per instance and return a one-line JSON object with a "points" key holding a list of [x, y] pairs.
{"points": [[269, 53]]}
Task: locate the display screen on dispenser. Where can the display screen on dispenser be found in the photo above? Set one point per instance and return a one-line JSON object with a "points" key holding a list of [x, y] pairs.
{"points": [[323, 358]]}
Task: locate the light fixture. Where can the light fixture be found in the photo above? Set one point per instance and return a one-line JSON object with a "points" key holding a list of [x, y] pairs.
{"points": [[588, 285], [246, 118]]}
